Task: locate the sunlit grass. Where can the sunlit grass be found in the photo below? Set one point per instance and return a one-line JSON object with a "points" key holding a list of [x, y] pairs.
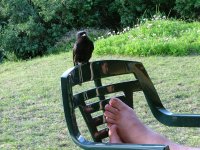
{"points": [[31, 112], [154, 37]]}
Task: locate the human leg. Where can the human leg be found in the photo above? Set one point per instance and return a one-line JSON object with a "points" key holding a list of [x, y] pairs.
{"points": [[126, 121], [130, 129]]}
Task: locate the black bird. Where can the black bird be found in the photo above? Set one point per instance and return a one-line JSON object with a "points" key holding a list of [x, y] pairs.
{"points": [[83, 48]]}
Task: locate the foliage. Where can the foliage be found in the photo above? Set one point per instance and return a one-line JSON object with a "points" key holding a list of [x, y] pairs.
{"points": [[188, 9], [131, 10], [158, 37], [33, 28], [26, 33]]}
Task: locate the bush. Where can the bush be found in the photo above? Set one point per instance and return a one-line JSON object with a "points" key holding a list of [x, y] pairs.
{"points": [[188, 9], [130, 11], [31, 28], [26, 40]]}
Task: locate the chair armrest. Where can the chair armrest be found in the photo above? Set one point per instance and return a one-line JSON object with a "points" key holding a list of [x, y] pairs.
{"points": [[160, 113], [80, 141], [125, 147], [177, 120]]}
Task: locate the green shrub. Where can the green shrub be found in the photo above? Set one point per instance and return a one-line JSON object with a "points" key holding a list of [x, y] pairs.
{"points": [[24, 39], [188, 9], [158, 37], [131, 10], [27, 33], [32, 28]]}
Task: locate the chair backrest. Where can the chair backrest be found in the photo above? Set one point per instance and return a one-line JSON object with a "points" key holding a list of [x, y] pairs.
{"points": [[98, 70]]}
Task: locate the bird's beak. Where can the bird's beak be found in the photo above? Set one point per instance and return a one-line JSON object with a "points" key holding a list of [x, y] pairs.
{"points": [[84, 35]]}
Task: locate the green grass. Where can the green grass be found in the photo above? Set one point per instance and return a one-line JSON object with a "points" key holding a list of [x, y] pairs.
{"points": [[158, 37], [31, 112]]}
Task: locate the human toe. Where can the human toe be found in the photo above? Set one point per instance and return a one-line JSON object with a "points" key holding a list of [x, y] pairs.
{"points": [[109, 114], [111, 109], [110, 121], [117, 103], [114, 137]]}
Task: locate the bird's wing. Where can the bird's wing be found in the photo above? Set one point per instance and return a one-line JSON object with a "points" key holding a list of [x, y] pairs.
{"points": [[78, 48], [78, 51], [90, 49]]}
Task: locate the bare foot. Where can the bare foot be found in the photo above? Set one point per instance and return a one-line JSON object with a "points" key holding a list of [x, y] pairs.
{"points": [[125, 126], [113, 136], [129, 127]]}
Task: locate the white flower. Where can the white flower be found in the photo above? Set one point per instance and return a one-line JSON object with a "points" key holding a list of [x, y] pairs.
{"points": [[149, 25]]}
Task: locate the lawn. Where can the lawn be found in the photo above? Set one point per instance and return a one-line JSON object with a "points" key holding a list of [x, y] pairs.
{"points": [[157, 37], [31, 112]]}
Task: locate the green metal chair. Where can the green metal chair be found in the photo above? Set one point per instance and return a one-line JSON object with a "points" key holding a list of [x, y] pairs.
{"points": [[96, 71]]}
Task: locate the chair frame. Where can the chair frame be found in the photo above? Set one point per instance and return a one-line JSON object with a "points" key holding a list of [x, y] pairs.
{"points": [[95, 71]]}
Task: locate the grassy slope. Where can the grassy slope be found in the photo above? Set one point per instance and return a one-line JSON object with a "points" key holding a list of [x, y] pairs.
{"points": [[31, 108], [158, 37]]}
